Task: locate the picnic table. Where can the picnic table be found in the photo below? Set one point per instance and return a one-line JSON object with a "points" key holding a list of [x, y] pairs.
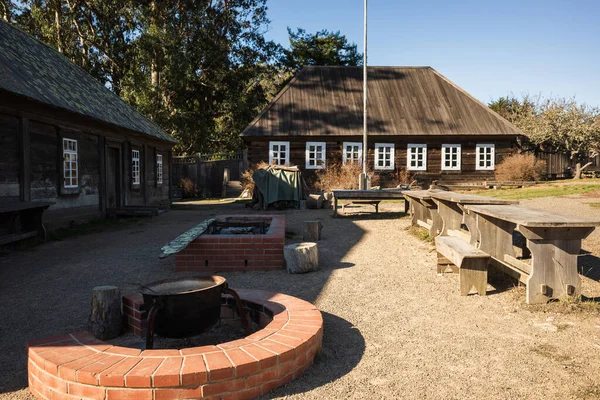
{"points": [[22, 220], [450, 208], [373, 197], [553, 239], [423, 210]]}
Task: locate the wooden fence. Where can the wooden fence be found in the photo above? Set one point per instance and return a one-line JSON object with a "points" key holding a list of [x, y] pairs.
{"points": [[209, 171], [558, 165]]}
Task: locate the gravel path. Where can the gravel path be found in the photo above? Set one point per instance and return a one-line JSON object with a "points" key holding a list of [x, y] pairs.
{"points": [[393, 328]]}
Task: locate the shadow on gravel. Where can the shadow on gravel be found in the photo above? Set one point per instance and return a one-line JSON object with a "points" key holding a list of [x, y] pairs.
{"points": [[361, 216], [588, 265], [343, 348]]}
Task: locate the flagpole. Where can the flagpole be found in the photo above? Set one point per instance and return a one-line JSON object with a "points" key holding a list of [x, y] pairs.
{"points": [[365, 150]]}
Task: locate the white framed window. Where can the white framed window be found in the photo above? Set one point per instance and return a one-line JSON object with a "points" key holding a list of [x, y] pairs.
{"points": [[159, 169], [315, 155], [485, 156], [416, 158], [352, 152], [279, 153], [384, 156], [70, 163], [451, 157], [135, 167]]}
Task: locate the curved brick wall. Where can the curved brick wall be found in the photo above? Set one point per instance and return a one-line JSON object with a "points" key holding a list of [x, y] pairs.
{"points": [[79, 366]]}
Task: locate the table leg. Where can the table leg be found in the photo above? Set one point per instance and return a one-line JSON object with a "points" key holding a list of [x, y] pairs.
{"points": [[471, 223], [377, 208], [450, 215], [436, 221], [335, 205]]}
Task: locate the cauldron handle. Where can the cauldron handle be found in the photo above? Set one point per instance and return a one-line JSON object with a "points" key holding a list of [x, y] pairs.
{"points": [[150, 325], [241, 311]]}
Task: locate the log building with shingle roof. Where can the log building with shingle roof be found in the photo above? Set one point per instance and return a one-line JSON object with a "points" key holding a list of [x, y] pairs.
{"points": [[66, 138], [417, 120]]}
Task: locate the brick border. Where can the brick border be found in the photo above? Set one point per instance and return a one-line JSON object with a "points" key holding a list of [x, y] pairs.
{"points": [[217, 253], [79, 366]]}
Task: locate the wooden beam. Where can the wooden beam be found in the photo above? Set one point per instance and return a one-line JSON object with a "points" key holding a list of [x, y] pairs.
{"points": [[25, 156], [102, 165], [144, 173]]}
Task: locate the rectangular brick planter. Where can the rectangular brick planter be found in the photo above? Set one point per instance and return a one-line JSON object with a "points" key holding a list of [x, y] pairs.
{"points": [[216, 253]]}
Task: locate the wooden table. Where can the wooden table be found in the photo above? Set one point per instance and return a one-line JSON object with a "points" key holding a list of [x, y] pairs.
{"points": [[370, 196], [22, 220], [554, 241], [424, 210], [450, 208]]}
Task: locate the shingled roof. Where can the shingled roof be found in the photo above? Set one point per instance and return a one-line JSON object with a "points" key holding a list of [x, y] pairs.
{"points": [[325, 101], [32, 69]]}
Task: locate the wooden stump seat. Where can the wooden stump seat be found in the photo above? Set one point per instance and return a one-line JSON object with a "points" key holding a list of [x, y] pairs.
{"points": [[471, 262]]}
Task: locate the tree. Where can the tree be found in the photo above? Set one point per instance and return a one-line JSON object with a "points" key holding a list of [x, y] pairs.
{"points": [[511, 108], [563, 125], [321, 48]]}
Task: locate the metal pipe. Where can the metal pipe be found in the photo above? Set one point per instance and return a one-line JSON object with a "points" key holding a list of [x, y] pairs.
{"points": [[364, 156]]}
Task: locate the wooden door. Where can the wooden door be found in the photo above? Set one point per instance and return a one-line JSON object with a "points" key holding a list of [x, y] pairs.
{"points": [[113, 178]]}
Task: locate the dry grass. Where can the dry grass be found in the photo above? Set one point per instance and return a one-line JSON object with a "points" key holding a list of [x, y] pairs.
{"points": [[420, 233], [520, 167], [337, 175], [189, 188], [246, 178]]}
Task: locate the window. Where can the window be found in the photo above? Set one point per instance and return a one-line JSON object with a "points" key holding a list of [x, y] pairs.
{"points": [[416, 159], [384, 156], [485, 157], [135, 167], [279, 153], [451, 157], [159, 169], [70, 163], [352, 153], [315, 155]]}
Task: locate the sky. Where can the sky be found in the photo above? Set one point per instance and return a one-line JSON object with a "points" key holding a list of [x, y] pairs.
{"points": [[489, 48]]}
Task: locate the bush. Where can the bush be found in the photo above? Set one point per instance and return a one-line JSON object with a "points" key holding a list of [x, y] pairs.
{"points": [[336, 175], [188, 187], [520, 167], [246, 178]]}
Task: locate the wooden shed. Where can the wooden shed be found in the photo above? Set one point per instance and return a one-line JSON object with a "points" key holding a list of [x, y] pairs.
{"points": [[417, 120], [67, 139]]}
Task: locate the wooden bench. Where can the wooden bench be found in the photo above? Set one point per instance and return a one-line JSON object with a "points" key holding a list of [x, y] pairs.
{"points": [[22, 220], [471, 262], [372, 197]]}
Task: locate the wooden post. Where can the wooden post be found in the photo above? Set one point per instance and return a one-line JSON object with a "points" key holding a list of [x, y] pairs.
{"points": [[25, 150], [301, 257], [312, 231], [105, 320], [314, 201], [102, 183]]}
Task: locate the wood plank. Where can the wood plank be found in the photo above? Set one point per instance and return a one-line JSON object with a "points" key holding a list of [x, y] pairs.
{"points": [[16, 237], [464, 198], [514, 262], [531, 217], [25, 155]]}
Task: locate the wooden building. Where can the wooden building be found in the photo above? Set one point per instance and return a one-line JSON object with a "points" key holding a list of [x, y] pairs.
{"points": [[66, 138], [417, 120]]}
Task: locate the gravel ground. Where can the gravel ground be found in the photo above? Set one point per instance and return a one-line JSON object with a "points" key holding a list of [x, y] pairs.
{"points": [[393, 328]]}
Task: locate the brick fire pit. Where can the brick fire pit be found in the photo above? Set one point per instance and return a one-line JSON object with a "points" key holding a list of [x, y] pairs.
{"points": [[210, 253], [79, 366]]}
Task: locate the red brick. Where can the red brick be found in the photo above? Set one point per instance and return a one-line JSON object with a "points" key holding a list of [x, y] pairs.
{"points": [[223, 387], [174, 394], [115, 376], [243, 362], [124, 351], [199, 350], [218, 366], [68, 370], [243, 394], [140, 375], [193, 371], [53, 361], [87, 391], [161, 353], [47, 340], [129, 394], [52, 382], [284, 353], [89, 374], [266, 359], [264, 377], [167, 373]]}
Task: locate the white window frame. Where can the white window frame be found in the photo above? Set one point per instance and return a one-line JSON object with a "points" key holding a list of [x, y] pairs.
{"points": [[70, 163], [315, 160], [276, 154], [353, 158], [447, 156], [409, 156], [378, 150], [159, 169], [478, 154], [135, 167]]}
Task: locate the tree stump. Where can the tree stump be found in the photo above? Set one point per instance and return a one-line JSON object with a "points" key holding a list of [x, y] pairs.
{"points": [[105, 320], [301, 257], [312, 231], [314, 201]]}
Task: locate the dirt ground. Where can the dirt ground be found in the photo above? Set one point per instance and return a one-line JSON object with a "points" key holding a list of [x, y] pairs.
{"points": [[393, 328]]}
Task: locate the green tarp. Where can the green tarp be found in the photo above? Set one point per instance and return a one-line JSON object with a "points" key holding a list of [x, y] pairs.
{"points": [[278, 184]]}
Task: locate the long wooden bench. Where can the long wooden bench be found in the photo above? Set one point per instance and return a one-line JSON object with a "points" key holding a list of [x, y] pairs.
{"points": [[471, 262], [22, 220]]}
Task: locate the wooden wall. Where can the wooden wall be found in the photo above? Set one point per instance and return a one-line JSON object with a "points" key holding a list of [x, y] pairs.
{"points": [[31, 161], [258, 150]]}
